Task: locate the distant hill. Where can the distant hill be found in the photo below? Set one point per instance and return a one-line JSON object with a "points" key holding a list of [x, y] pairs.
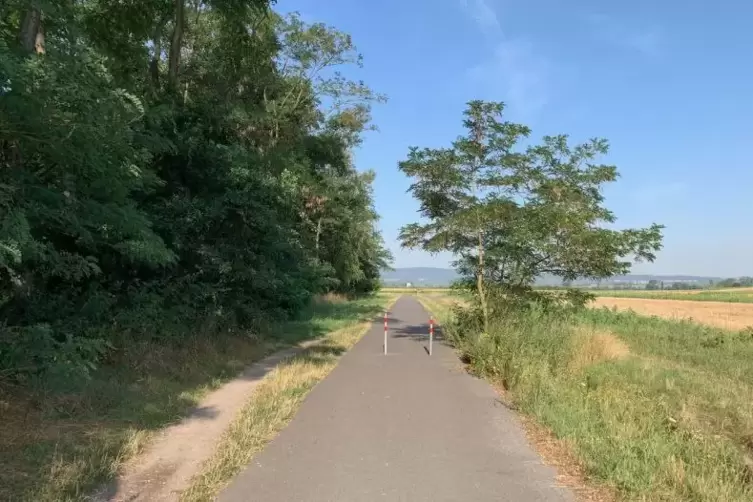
{"points": [[432, 276], [419, 276]]}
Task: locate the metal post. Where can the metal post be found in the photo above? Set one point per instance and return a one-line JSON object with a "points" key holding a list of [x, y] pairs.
{"points": [[385, 333], [431, 334]]}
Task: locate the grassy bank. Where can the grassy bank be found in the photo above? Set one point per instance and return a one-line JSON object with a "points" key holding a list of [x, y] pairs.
{"points": [[660, 410], [59, 439]]}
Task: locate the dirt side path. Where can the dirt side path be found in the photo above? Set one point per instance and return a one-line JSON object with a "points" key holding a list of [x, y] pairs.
{"points": [[177, 453], [733, 316]]}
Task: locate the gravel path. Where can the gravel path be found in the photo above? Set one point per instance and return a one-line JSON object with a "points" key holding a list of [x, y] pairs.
{"points": [[401, 427]]}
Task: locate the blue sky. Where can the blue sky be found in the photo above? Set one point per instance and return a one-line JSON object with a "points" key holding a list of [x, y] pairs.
{"points": [[669, 83]]}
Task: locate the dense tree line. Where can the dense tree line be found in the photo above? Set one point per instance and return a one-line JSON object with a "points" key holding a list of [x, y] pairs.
{"points": [[171, 163], [735, 282]]}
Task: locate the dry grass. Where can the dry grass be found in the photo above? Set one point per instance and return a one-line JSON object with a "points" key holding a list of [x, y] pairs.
{"points": [[440, 304], [270, 409], [732, 316], [592, 346], [331, 298]]}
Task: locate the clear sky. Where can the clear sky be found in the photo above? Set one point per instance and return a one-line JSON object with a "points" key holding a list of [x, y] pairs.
{"points": [[669, 83]]}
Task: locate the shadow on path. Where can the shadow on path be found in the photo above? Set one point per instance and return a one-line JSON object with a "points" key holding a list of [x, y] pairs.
{"points": [[417, 332]]}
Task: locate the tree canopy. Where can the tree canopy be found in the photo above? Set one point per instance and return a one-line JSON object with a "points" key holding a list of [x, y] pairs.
{"points": [[511, 214], [164, 163]]}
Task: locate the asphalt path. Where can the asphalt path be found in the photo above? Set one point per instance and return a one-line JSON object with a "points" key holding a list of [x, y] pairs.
{"points": [[402, 427]]}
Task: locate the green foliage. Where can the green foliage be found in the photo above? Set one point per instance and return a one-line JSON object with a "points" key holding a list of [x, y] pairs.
{"points": [[733, 282], [169, 164], [512, 214]]}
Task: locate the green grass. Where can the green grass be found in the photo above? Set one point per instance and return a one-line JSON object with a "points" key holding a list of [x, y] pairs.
{"points": [[731, 295], [66, 437], [659, 410]]}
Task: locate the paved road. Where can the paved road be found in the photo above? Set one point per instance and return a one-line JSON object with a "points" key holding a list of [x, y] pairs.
{"points": [[401, 427]]}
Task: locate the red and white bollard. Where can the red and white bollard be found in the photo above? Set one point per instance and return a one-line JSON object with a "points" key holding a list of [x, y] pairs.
{"points": [[385, 333], [431, 333]]}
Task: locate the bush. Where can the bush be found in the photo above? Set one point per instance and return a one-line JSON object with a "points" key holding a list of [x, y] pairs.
{"points": [[520, 343]]}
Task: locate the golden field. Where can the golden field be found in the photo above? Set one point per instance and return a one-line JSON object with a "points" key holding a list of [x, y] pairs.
{"points": [[727, 315]]}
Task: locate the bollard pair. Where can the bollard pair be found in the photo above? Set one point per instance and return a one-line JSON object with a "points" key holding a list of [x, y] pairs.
{"points": [[385, 333], [431, 334]]}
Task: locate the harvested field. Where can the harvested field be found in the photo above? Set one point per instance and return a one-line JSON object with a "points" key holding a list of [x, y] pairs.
{"points": [[732, 316]]}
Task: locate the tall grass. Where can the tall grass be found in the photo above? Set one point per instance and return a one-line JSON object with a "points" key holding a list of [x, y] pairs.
{"points": [[660, 410]]}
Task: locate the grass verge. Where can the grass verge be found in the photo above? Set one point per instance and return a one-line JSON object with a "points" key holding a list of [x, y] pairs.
{"points": [[655, 409], [270, 409], [60, 439]]}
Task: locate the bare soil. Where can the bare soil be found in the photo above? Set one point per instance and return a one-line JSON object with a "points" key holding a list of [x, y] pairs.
{"points": [[165, 469]]}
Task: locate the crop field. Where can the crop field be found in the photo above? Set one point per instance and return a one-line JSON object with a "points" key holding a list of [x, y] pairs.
{"points": [[726, 315], [736, 295], [732, 311]]}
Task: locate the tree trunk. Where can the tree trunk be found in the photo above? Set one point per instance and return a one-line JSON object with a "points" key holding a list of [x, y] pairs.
{"points": [[318, 233], [480, 282], [32, 33], [176, 44], [157, 40], [478, 138]]}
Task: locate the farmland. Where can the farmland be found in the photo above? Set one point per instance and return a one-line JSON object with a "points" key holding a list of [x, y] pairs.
{"points": [[731, 316], [724, 308], [734, 314], [732, 295]]}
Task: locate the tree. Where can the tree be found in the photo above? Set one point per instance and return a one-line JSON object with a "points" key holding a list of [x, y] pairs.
{"points": [[166, 163], [511, 215], [653, 284]]}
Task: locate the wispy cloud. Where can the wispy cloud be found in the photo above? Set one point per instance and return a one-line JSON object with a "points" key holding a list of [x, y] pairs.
{"points": [[646, 40], [514, 72], [483, 15]]}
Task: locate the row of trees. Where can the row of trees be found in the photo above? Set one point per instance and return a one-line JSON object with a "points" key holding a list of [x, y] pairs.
{"points": [[512, 214], [166, 163], [736, 282]]}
